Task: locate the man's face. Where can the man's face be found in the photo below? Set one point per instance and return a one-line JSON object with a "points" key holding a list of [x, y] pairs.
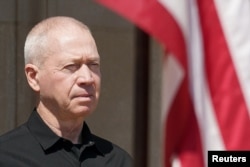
{"points": [[70, 78]]}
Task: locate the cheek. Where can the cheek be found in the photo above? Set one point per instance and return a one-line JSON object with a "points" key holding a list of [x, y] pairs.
{"points": [[55, 84], [45, 83]]}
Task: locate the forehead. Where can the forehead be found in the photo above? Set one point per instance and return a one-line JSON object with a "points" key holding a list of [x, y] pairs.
{"points": [[74, 44]]}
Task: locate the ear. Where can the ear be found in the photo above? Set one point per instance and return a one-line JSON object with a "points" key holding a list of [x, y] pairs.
{"points": [[31, 72]]}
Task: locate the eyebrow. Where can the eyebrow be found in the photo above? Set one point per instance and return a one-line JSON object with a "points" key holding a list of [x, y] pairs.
{"points": [[88, 59]]}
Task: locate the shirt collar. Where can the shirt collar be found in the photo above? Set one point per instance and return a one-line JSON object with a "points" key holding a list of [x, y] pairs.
{"points": [[47, 138]]}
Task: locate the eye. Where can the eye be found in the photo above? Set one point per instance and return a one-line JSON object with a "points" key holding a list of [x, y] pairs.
{"points": [[72, 67], [94, 66]]}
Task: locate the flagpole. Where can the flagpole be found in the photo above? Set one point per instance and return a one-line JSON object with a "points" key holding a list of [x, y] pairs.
{"points": [[141, 98]]}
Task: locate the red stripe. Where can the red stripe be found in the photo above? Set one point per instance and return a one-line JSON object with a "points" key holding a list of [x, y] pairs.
{"points": [[154, 19], [182, 134], [226, 93]]}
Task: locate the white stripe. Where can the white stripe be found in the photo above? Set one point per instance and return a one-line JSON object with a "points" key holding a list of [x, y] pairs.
{"points": [[234, 16], [176, 162], [173, 73], [172, 76], [209, 129]]}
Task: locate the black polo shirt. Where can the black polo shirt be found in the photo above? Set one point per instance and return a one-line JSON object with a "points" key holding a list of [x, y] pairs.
{"points": [[34, 145]]}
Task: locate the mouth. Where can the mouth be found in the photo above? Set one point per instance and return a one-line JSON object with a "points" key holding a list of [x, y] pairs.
{"points": [[84, 96]]}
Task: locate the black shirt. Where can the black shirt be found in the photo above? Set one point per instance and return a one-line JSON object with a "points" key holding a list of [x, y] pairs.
{"points": [[34, 144]]}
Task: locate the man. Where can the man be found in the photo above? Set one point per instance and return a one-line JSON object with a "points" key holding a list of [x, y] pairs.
{"points": [[62, 66]]}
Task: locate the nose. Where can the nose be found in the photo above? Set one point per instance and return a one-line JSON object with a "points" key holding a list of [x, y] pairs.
{"points": [[84, 75]]}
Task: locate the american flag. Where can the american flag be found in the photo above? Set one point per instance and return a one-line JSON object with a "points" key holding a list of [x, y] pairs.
{"points": [[206, 75]]}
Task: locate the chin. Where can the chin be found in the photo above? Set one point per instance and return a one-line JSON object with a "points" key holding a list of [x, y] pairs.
{"points": [[82, 111]]}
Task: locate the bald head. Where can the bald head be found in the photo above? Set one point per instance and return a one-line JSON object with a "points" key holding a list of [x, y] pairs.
{"points": [[41, 40]]}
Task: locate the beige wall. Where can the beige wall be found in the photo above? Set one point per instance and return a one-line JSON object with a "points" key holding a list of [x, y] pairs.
{"points": [[114, 35]]}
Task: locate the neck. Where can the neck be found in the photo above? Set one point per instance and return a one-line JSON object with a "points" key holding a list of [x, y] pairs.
{"points": [[68, 129]]}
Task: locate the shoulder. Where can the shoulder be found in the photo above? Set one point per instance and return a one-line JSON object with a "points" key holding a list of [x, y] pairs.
{"points": [[10, 138], [113, 151]]}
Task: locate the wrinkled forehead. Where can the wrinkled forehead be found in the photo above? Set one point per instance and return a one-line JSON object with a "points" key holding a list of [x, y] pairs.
{"points": [[72, 34], [72, 41]]}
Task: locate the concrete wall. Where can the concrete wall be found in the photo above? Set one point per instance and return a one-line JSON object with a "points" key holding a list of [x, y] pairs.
{"points": [[115, 39]]}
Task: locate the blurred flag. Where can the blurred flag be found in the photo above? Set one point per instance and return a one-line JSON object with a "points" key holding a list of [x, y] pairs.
{"points": [[206, 75]]}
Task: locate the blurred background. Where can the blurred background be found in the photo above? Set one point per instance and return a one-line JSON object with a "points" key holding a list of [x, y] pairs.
{"points": [[115, 38]]}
